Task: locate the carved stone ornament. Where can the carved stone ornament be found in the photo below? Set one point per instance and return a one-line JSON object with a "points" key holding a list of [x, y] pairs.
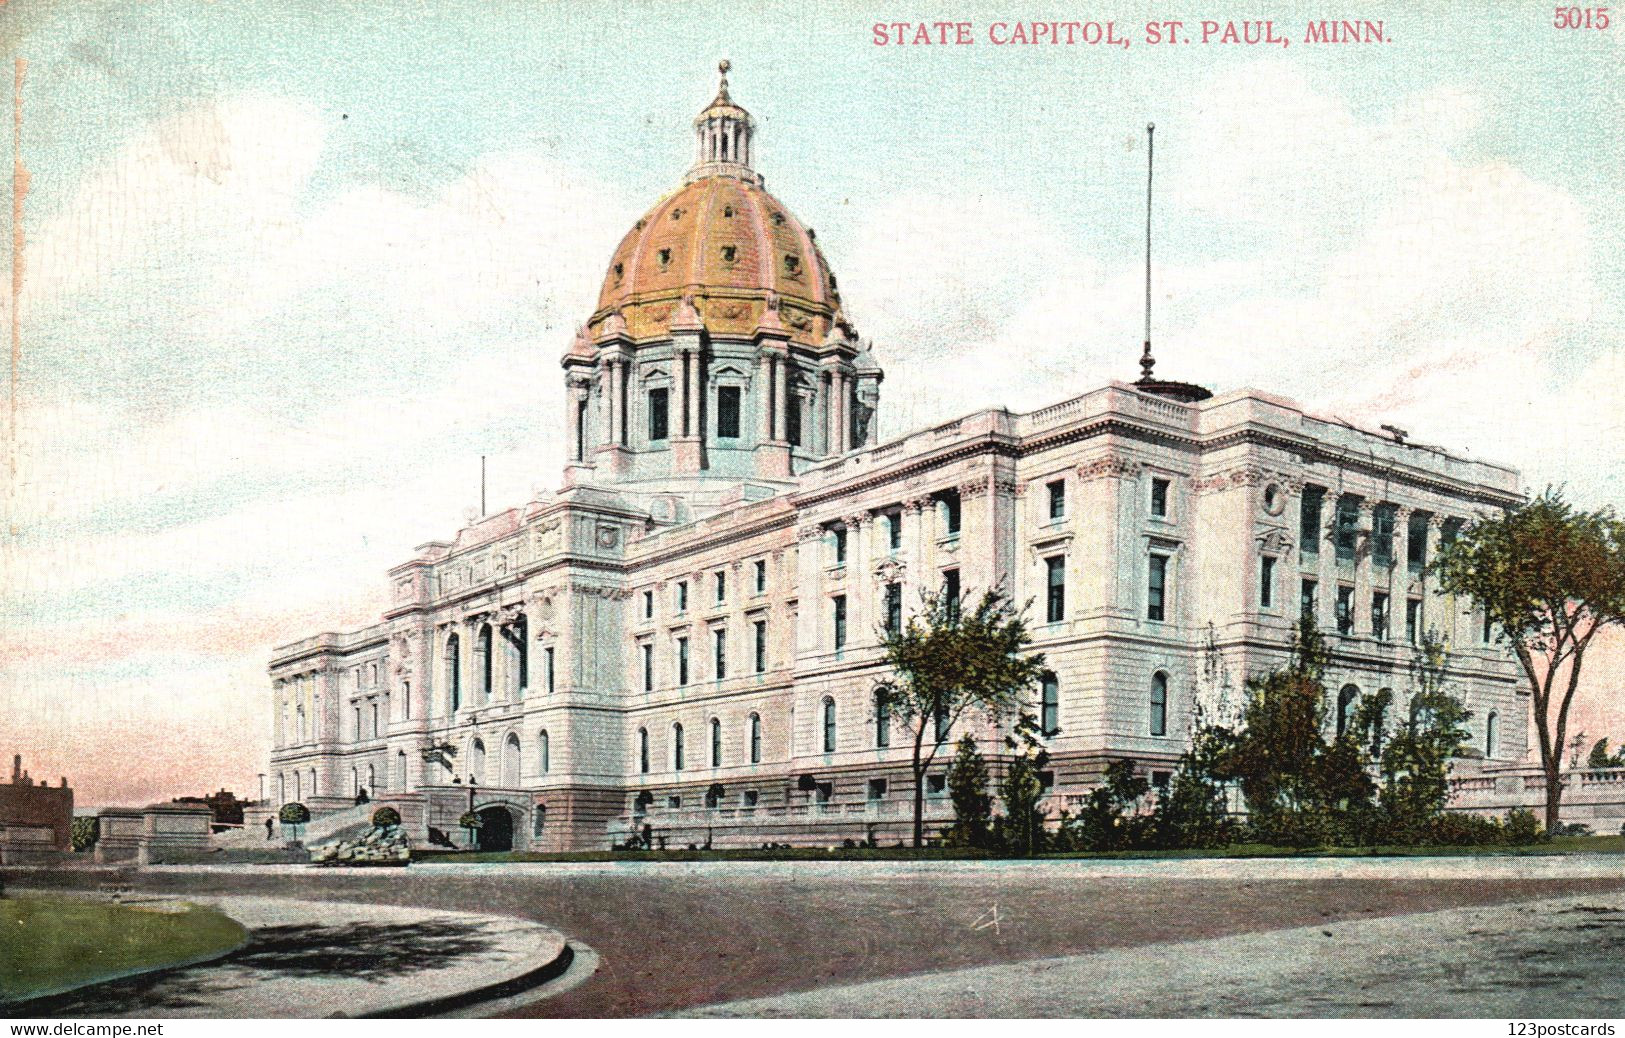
{"points": [[890, 571], [608, 536], [1274, 541], [1104, 468], [1006, 487], [809, 533], [974, 489]]}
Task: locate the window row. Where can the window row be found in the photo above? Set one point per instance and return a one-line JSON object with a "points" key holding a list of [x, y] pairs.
{"points": [[718, 585], [1346, 532], [719, 656]]}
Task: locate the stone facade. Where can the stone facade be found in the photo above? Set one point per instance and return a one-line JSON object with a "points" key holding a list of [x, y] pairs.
{"points": [[34, 816], [685, 635]]}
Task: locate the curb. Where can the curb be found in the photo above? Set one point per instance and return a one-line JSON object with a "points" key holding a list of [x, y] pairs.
{"points": [[531, 978]]}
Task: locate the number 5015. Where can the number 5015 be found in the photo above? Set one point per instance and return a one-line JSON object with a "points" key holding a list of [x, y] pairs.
{"points": [[1580, 18]]}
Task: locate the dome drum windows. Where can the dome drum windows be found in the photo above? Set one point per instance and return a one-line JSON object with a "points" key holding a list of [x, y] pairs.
{"points": [[730, 254], [663, 257], [792, 265]]}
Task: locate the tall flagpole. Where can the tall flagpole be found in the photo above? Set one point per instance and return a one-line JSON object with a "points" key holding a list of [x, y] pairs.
{"points": [[482, 486], [1146, 361]]}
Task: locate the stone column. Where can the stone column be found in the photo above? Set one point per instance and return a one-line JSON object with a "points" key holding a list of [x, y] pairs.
{"points": [[679, 419], [617, 372], [781, 382], [764, 397], [279, 699], [696, 418], [914, 534], [1364, 519], [841, 417], [859, 587]]}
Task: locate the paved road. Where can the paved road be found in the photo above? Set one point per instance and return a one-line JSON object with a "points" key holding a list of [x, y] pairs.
{"points": [[671, 938]]}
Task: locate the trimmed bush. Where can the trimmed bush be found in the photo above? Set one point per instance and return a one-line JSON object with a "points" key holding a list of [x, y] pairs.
{"points": [[470, 820], [1522, 827], [385, 817], [293, 813]]}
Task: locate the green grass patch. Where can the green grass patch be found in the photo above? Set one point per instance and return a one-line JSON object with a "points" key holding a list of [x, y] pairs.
{"points": [[1560, 845], [52, 944]]}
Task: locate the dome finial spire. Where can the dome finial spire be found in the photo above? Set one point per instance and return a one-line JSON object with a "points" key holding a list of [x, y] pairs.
{"points": [[723, 132]]}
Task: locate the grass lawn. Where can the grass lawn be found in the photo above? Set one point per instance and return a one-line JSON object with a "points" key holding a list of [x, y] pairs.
{"points": [[1560, 845], [51, 944]]}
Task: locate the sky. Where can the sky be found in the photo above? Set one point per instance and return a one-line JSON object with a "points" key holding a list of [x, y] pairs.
{"points": [[290, 269]]}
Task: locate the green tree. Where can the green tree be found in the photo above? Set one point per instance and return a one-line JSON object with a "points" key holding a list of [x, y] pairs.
{"points": [[1415, 759], [1103, 823], [1193, 810], [1020, 829], [84, 833], [1549, 578], [1600, 758], [947, 660], [967, 786], [295, 815], [1298, 788]]}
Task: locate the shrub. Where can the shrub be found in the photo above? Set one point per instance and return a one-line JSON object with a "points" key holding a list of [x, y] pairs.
{"points": [[385, 817], [84, 833], [470, 820], [1571, 829], [293, 813], [1521, 827], [1454, 829]]}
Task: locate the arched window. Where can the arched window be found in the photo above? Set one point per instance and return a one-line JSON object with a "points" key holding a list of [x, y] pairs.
{"points": [[829, 725], [677, 747], [282, 789], [400, 769], [1492, 734], [643, 750], [454, 672], [882, 720], [755, 738], [482, 656], [511, 761], [312, 781], [476, 761], [1348, 701], [372, 779], [406, 700], [544, 752], [298, 786], [1050, 708], [716, 743], [540, 821], [1159, 703]]}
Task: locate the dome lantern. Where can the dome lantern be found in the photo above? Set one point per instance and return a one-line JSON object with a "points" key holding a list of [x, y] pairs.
{"points": [[723, 135]]}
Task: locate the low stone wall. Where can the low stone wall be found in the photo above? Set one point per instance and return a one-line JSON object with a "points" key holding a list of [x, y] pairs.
{"points": [[150, 834], [1592, 796]]}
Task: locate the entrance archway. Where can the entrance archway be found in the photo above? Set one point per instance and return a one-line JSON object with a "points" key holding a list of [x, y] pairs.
{"points": [[496, 829]]}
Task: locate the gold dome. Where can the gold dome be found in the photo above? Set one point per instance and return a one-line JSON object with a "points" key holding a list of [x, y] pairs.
{"points": [[722, 241], [728, 244]]}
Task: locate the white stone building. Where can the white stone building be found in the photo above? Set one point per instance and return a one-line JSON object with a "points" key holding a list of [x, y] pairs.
{"points": [[685, 635]]}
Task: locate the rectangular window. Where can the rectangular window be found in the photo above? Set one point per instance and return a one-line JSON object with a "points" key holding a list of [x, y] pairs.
{"points": [[1309, 520], [550, 668], [760, 571], [749, 798], [1159, 498], [894, 608], [727, 412], [719, 652], [682, 661], [648, 605], [1345, 610], [950, 590], [936, 786], [1307, 592], [950, 514], [1413, 620], [839, 605], [1266, 582], [1379, 615], [877, 790], [581, 431], [1156, 598], [682, 596], [721, 578], [894, 531], [1057, 499], [1055, 589], [1489, 630], [1416, 543], [1449, 532], [659, 428], [761, 646], [840, 546], [648, 651], [1348, 521], [1384, 518], [792, 420]]}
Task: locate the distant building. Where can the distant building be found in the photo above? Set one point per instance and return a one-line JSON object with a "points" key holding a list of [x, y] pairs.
{"points": [[685, 636], [34, 816], [226, 808]]}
